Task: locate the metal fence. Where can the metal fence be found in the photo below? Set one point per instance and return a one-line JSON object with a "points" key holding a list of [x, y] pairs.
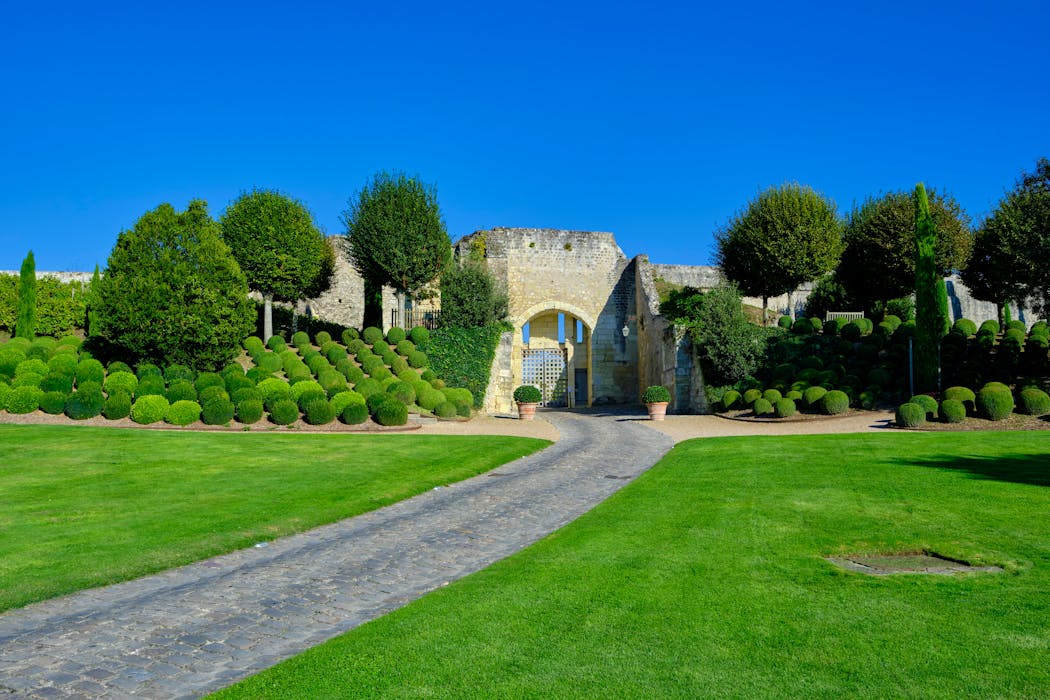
{"points": [[416, 317]]}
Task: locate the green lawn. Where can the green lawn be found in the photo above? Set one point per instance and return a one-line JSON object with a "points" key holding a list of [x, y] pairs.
{"points": [[86, 506], [706, 577]]}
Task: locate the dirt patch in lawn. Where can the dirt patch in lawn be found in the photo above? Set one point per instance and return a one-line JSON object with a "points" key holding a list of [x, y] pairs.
{"points": [[922, 562]]}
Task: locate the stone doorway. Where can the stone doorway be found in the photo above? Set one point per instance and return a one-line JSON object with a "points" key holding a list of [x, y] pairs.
{"points": [[546, 369], [554, 355]]}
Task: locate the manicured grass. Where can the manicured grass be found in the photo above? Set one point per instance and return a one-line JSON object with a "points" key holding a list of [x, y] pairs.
{"points": [[706, 578], [86, 506]]}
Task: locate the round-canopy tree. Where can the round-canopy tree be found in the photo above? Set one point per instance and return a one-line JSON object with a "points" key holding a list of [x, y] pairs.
{"points": [[280, 250], [1012, 246], [786, 236], [396, 234], [173, 293], [878, 263]]}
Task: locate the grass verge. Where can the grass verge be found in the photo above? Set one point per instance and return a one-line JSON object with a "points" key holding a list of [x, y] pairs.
{"points": [[84, 507], [706, 577]]}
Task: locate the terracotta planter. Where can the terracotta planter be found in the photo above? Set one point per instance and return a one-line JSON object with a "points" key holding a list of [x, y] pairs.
{"points": [[527, 411], [657, 411]]}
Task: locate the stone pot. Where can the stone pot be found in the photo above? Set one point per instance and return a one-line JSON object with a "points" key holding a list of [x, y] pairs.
{"points": [[657, 411], [527, 411]]}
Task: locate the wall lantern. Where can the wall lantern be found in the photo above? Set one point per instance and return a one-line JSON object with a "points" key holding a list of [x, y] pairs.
{"points": [[625, 330]]}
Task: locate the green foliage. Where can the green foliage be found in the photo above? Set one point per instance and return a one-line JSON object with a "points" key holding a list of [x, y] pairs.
{"points": [[751, 395], [368, 386], [125, 382], [212, 393], [878, 262], [995, 403], [53, 402], [149, 409], [429, 398], [354, 414], [279, 248], [772, 395], [786, 236], [419, 335], [5, 389], [784, 408], [118, 405], [730, 400], [931, 299], [322, 337], [23, 399], [965, 326], [656, 394], [834, 402], [471, 296], [25, 327], [928, 403], [344, 399], [90, 370], [1034, 402], [349, 335], [372, 335], [218, 411], [463, 356], [300, 339], [173, 292], [802, 326], [445, 409], [911, 415], [273, 390], [148, 369], [183, 413], [180, 390], [784, 322], [318, 411], [761, 407], [952, 411], [402, 391], [395, 335], [57, 382], [284, 412], [396, 234], [246, 393], [208, 379], [249, 411], [173, 372]]}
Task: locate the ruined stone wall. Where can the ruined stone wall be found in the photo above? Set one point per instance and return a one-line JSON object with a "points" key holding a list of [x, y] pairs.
{"points": [[707, 276], [63, 277]]}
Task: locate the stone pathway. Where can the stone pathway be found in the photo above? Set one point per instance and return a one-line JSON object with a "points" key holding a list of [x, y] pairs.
{"points": [[196, 629]]}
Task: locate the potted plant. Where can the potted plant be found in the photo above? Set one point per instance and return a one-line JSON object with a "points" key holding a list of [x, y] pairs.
{"points": [[528, 398], [656, 399]]}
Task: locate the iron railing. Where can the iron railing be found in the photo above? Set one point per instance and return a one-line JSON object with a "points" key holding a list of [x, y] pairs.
{"points": [[416, 317]]}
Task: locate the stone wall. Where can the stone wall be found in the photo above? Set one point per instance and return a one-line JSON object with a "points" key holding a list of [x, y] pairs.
{"points": [[63, 277], [707, 276]]}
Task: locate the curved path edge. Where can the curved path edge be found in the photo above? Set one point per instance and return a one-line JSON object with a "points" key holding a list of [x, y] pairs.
{"points": [[193, 630]]}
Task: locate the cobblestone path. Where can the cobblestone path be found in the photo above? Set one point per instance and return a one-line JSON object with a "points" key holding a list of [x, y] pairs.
{"points": [[193, 630]]}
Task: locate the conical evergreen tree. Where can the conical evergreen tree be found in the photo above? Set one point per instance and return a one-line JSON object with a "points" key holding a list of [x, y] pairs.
{"points": [[25, 326], [931, 298]]}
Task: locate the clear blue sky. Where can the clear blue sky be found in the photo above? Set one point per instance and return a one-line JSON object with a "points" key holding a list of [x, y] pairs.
{"points": [[656, 121]]}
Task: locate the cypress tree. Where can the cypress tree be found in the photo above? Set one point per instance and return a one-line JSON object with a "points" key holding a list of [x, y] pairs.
{"points": [[92, 304], [931, 298], [25, 326]]}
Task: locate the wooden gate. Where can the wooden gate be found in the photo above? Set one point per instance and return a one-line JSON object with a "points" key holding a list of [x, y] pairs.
{"points": [[545, 368]]}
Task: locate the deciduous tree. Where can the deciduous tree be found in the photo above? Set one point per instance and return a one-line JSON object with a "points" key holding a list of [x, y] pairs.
{"points": [[279, 248], [786, 236], [396, 234]]}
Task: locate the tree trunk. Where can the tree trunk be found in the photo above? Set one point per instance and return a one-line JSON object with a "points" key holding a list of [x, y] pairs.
{"points": [[999, 314], [267, 316], [401, 308], [791, 305], [765, 310]]}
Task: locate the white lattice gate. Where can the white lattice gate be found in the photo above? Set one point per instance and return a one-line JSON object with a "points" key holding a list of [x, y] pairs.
{"points": [[545, 368]]}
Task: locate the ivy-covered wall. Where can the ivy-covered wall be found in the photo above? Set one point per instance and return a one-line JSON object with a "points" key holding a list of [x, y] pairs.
{"points": [[463, 356]]}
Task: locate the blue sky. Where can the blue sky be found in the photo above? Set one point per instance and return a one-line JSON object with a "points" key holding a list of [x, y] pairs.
{"points": [[657, 122]]}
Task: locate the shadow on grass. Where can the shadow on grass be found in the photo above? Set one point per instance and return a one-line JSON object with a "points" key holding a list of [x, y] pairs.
{"points": [[1031, 469]]}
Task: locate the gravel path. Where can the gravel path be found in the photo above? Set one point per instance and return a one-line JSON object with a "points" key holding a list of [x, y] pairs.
{"points": [[198, 628]]}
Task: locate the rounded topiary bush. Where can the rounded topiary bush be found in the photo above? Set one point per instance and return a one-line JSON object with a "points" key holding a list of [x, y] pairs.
{"points": [[994, 403], [354, 414], [911, 415], [656, 394], [405, 347], [368, 386], [784, 322], [802, 326], [402, 391], [795, 395], [32, 366], [183, 413], [121, 381], [218, 411], [835, 402], [276, 343], [148, 369], [761, 407], [63, 363], [10, 357], [437, 383], [273, 390], [395, 335], [928, 403], [249, 411], [212, 393], [29, 379], [23, 399], [351, 371], [429, 398], [173, 372], [84, 404], [372, 335], [391, 413], [1033, 402], [965, 327], [445, 409], [730, 400], [253, 344], [57, 382], [380, 373], [784, 408], [300, 339], [117, 405], [181, 390], [419, 335], [53, 402], [349, 335], [269, 362], [149, 409], [962, 394], [751, 395], [208, 379], [772, 395], [284, 412], [344, 399], [812, 396], [90, 370], [465, 410], [851, 331], [952, 411], [318, 411], [150, 385]]}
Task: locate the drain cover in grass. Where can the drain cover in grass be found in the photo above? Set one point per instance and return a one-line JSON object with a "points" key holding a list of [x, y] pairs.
{"points": [[907, 563]]}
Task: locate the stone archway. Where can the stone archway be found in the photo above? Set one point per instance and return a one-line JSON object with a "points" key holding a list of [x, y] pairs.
{"points": [[552, 350]]}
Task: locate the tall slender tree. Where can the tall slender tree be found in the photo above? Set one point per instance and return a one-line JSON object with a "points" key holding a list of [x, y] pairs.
{"points": [[931, 298], [25, 326]]}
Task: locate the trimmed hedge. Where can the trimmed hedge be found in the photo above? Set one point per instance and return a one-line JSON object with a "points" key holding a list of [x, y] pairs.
{"points": [[953, 411], [772, 395], [928, 403], [784, 408], [445, 409], [750, 396], [118, 405], [249, 411], [372, 335], [53, 402], [391, 413], [911, 415], [1034, 402], [343, 399], [354, 414], [835, 402], [284, 412], [402, 391], [53, 382], [761, 407], [730, 400], [148, 409], [183, 413], [218, 411], [994, 403], [395, 335], [212, 393], [84, 404], [318, 412], [150, 385], [23, 399], [812, 396]]}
